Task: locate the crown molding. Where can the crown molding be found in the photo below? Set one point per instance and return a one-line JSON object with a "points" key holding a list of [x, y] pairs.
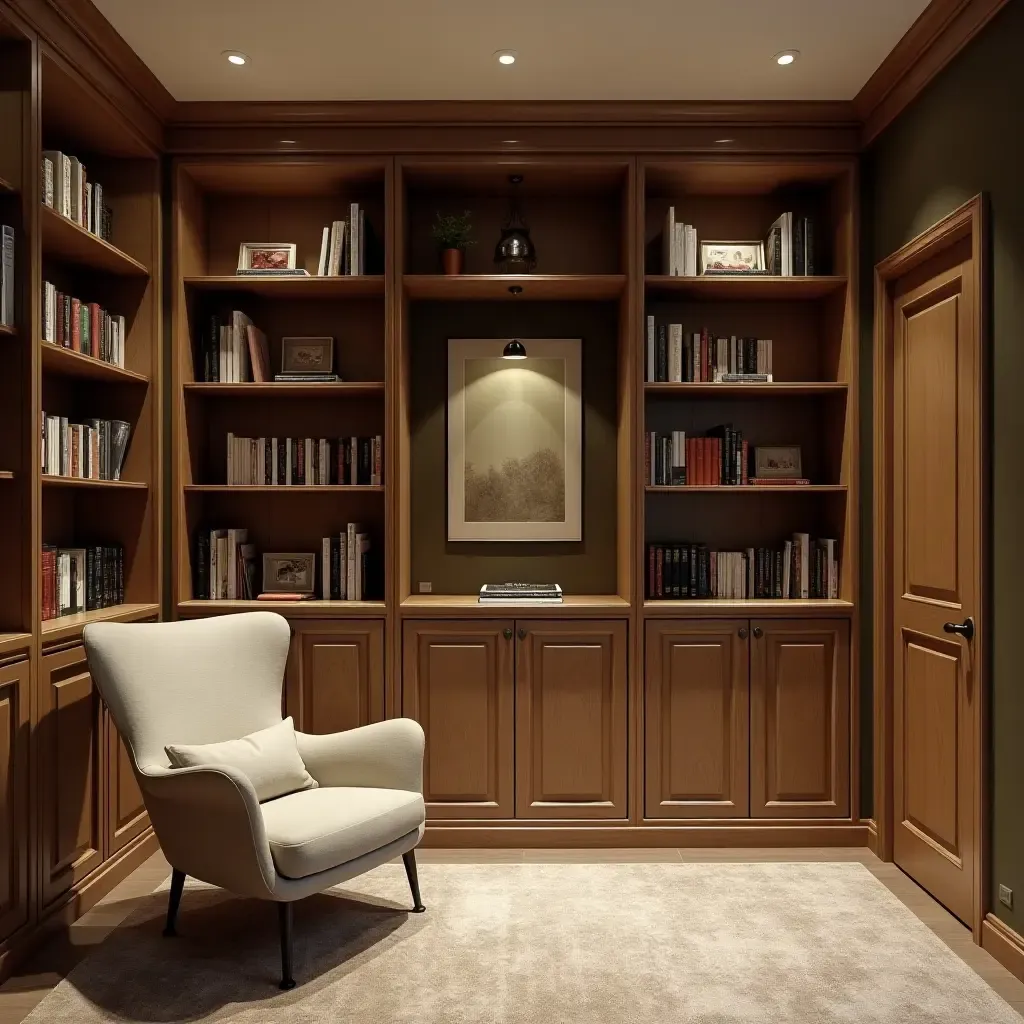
{"points": [[943, 29]]}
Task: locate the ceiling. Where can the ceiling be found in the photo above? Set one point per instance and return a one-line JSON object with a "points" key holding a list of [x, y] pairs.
{"points": [[567, 49]]}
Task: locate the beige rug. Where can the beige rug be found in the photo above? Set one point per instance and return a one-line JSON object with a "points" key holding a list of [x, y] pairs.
{"points": [[543, 944]]}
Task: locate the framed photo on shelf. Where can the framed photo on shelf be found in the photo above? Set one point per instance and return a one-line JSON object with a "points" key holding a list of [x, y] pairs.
{"points": [[289, 573], [307, 355], [267, 256], [515, 448], [777, 462], [732, 258]]}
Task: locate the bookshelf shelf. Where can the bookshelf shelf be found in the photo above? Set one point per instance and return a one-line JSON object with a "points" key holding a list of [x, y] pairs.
{"points": [[289, 489], [50, 480], [343, 287], [341, 389], [495, 287], [67, 363], [12, 642], [745, 288], [67, 240], [69, 626], [774, 390], [6, 188], [751, 490], [784, 608], [7, 331], [6, 474], [467, 605], [293, 609]]}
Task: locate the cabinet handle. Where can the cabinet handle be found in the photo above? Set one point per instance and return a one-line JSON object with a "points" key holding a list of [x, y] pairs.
{"points": [[507, 631], [758, 632], [743, 633], [522, 634]]}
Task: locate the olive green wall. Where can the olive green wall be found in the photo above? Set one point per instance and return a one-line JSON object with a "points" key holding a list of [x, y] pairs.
{"points": [[962, 136]]}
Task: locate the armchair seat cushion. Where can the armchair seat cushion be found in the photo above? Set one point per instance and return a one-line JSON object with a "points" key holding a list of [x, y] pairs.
{"points": [[319, 829]]}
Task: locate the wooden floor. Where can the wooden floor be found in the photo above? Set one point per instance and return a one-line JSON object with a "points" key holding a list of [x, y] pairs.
{"points": [[20, 994]]}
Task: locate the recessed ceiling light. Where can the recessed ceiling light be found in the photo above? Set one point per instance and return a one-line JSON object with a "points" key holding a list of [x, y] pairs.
{"points": [[505, 56], [236, 57], [786, 56]]}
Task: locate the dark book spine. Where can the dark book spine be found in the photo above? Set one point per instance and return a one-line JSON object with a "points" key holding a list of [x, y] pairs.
{"points": [[676, 572], [650, 572], [213, 351], [202, 587], [120, 575], [684, 570], [335, 568], [659, 563], [268, 461], [365, 461], [661, 355], [809, 247], [300, 460], [282, 460], [798, 247]]}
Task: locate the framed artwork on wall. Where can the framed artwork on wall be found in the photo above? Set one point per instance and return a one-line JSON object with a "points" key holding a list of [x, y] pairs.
{"points": [[515, 440]]}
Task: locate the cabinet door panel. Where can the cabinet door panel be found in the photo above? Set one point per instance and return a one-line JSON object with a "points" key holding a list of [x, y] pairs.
{"points": [[71, 772], [457, 683], [695, 719], [126, 809], [336, 675], [571, 726], [800, 719], [14, 796]]}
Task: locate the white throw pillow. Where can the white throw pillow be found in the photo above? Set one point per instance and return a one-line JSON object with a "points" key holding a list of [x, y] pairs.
{"points": [[269, 758]]}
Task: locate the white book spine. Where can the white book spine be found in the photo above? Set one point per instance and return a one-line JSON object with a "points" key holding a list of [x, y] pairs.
{"points": [[325, 570], [321, 267], [7, 277], [343, 573]]}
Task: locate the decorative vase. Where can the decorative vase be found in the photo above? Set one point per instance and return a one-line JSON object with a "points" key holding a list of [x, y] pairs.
{"points": [[452, 261]]}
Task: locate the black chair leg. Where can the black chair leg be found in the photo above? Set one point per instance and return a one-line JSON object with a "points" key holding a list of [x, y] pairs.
{"points": [[285, 916], [177, 884], [414, 881]]}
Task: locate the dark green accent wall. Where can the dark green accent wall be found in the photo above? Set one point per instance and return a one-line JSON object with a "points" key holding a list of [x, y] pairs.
{"points": [[962, 136]]}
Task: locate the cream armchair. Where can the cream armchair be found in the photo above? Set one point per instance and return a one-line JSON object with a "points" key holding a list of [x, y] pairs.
{"points": [[218, 679]]}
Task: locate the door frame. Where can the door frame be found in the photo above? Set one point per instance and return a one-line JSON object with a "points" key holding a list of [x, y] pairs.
{"points": [[968, 221]]}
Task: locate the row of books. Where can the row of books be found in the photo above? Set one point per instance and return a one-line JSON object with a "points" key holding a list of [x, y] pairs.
{"points": [[790, 247], [679, 247], [234, 350], [304, 461], [81, 579], [68, 190], [344, 565], [6, 275], [93, 450], [721, 457], [343, 246], [82, 326], [520, 594], [225, 566], [801, 569], [702, 358]]}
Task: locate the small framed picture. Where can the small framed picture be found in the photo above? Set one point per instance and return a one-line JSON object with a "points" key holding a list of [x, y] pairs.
{"points": [[267, 256], [307, 355], [777, 462], [732, 257], [289, 573]]}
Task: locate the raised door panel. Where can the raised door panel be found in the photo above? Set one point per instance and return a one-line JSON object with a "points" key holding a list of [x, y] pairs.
{"points": [[14, 796], [571, 722], [457, 683], [696, 719], [800, 719], [70, 763], [336, 675], [126, 809]]}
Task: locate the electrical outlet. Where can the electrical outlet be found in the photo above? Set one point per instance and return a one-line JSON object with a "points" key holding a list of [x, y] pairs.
{"points": [[426, 588], [1006, 896]]}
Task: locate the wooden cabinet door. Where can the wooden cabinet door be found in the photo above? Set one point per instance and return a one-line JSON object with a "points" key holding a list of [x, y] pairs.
{"points": [[336, 674], [571, 721], [696, 737], [800, 719], [457, 683], [14, 796], [70, 772], [126, 810]]}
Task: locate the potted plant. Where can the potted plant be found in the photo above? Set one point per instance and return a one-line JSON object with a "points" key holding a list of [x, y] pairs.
{"points": [[452, 233]]}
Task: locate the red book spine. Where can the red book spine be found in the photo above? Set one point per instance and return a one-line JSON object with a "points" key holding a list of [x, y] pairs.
{"points": [[745, 463], [300, 459], [76, 330], [647, 456], [701, 460], [95, 321], [651, 571]]}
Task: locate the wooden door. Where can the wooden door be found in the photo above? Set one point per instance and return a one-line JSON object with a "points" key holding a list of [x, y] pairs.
{"points": [[336, 674], [936, 566], [571, 722], [457, 682], [695, 719], [14, 796], [800, 719], [70, 763], [126, 810]]}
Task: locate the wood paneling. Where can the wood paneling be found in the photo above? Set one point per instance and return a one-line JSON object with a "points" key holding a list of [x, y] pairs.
{"points": [[696, 719], [571, 720], [125, 815], [15, 700], [457, 682], [336, 674], [70, 764], [800, 719]]}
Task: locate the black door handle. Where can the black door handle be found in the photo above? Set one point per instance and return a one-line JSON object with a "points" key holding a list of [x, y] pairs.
{"points": [[964, 629], [507, 633]]}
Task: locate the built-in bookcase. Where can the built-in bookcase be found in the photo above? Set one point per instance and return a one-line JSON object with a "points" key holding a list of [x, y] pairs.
{"points": [[218, 205]]}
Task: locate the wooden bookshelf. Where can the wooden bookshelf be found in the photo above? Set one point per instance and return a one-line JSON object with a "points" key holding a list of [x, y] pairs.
{"points": [[69, 627], [283, 389], [90, 484], [514, 287], [292, 490], [313, 609], [65, 362], [309, 288], [6, 474], [746, 289], [65, 240], [747, 490], [768, 390]]}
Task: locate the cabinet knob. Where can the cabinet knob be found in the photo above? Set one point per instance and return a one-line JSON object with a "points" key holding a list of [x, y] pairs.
{"points": [[758, 632], [743, 633], [522, 633], [507, 632]]}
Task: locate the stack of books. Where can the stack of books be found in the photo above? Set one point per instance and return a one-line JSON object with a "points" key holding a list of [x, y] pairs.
{"points": [[67, 189], [225, 566], [82, 326], [789, 251], [700, 357], [520, 593], [344, 565], [233, 350], [81, 579], [720, 458], [343, 246], [304, 461], [679, 247], [93, 450]]}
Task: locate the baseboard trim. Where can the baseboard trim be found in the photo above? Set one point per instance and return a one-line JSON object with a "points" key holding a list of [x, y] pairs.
{"points": [[872, 826], [77, 901], [1000, 941], [626, 836]]}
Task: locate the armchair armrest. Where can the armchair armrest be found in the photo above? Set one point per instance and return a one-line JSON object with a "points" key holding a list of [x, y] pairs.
{"points": [[385, 755], [209, 825]]}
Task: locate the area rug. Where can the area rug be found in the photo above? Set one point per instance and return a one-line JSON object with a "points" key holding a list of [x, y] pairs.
{"points": [[542, 944]]}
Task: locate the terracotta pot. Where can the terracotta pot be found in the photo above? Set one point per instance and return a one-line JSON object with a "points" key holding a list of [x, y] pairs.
{"points": [[452, 260]]}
